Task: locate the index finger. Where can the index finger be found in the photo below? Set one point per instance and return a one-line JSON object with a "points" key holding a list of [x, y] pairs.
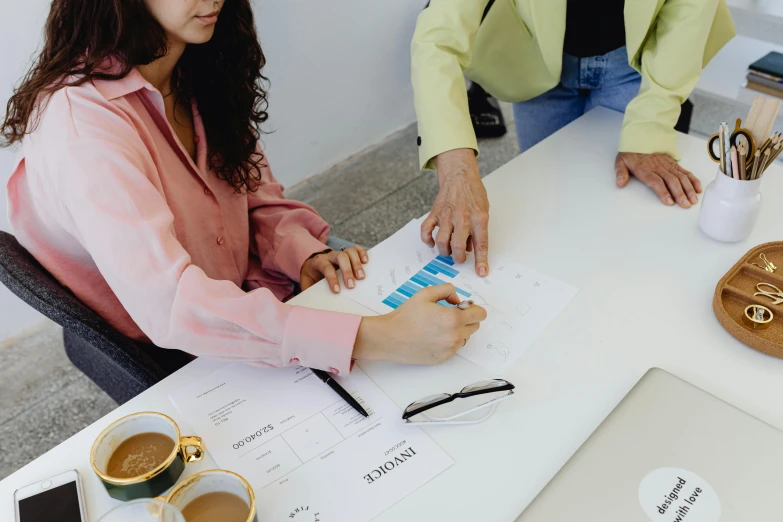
{"points": [[675, 188], [459, 239], [480, 236], [656, 183], [433, 294], [694, 180], [687, 186], [427, 227], [362, 254], [343, 260], [327, 269]]}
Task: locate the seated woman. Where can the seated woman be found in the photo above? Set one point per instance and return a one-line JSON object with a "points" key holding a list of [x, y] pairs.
{"points": [[142, 187]]}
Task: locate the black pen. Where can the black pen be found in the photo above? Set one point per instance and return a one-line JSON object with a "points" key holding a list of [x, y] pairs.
{"points": [[353, 403]]}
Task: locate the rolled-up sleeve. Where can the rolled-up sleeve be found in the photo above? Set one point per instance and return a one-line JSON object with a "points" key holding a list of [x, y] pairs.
{"points": [[110, 205]]}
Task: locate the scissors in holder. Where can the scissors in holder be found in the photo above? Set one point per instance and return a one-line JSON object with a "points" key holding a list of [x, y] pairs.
{"points": [[774, 293], [740, 135]]}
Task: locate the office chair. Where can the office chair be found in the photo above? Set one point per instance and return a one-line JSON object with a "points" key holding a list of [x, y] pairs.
{"points": [[120, 366]]}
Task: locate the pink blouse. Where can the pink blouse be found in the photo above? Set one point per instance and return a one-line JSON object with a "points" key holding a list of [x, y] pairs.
{"points": [[108, 201]]}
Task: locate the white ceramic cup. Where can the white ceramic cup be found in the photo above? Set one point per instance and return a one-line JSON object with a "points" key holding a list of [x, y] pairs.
{"points": [[730, 208], [214, 480], [143, 510]]}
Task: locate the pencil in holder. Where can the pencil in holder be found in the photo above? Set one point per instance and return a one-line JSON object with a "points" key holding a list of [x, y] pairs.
{"points": [[730, 208]]}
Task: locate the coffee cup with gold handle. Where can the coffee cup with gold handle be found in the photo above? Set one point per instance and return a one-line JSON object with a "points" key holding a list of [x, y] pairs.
{"points": [[142, 455], [206, 495]]}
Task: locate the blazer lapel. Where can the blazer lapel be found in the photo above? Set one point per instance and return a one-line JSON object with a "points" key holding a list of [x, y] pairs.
{"points": [[549, 18], [639, 15]]}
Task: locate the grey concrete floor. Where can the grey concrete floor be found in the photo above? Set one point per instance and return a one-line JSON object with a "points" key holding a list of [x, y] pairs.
{"points": [[44, 399]]}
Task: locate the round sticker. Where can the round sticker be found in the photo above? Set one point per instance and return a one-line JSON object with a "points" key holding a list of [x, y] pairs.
{"points": [[678, 495]]}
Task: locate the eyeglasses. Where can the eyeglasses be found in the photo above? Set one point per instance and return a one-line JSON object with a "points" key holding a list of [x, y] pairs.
{"points": [[472, 390]]}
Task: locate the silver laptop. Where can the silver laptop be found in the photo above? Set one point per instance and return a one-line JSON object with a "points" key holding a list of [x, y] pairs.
{"points": [[669, 452]]}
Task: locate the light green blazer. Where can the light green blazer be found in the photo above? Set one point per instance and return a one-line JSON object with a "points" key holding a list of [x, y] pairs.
{"points": [[515, 54]]}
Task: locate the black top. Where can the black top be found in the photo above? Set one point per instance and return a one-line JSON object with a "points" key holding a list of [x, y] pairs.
{"points": [[594, 27]]}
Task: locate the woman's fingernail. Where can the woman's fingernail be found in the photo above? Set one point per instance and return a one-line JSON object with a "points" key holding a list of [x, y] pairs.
{"points": [[669, 201], [482, 271], [685, 203], [336, 289], [351, 284], [361, 273], [365, 259]]}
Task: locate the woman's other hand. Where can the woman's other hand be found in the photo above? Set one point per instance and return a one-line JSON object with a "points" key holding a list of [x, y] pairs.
{"points": [[325, 265]]}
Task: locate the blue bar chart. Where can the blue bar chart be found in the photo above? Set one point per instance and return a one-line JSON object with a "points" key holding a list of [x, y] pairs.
{"points": [[439, 271]]}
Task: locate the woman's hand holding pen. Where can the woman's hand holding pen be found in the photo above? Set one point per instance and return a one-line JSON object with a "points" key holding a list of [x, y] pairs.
{"points": [[672, 183], [420, 331], [350, 262]]}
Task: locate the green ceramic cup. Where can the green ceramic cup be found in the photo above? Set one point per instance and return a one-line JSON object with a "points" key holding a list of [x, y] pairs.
{"points": [[164, 475]]}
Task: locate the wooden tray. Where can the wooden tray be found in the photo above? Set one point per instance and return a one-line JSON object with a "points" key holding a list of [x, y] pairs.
{"points": [[735, 292]]}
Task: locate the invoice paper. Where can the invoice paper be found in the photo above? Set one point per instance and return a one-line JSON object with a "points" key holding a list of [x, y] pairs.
{"points": [[520, 301], [307, 454]]}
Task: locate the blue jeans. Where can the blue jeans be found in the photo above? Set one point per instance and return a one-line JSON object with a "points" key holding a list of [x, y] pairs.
{"points": [[605, 80]]}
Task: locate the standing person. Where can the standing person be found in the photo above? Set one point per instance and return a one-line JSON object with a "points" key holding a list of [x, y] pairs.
{"points": [[485, 114], [556, 59], [142, 188]]}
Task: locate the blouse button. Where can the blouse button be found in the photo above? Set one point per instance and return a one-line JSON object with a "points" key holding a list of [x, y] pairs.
{"points": [[220, 240], [197, 139], [207, 192]]}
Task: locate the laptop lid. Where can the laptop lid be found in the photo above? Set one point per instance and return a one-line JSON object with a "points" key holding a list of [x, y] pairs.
{"points": [[669, 452]]}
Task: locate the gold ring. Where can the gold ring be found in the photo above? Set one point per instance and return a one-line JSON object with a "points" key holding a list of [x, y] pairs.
{"points": [[758, 317]]}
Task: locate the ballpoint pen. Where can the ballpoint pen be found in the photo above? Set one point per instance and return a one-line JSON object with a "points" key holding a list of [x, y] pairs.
{"points": [[327, 379]]}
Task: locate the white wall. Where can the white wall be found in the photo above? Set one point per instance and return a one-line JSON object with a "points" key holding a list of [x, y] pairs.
{"points": [[340, 73], [20, 31]]}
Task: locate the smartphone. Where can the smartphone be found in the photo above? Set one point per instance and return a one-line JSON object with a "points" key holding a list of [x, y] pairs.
{"points": [[56, 499]]}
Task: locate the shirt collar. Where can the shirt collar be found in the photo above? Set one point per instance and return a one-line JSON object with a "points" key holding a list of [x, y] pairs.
{"points": [[113, 89]]}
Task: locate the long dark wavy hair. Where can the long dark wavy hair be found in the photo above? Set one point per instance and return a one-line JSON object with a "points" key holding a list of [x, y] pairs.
{"points": [[222, 75]]}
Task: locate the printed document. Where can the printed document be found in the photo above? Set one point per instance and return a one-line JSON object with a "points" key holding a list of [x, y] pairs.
{"points": [[520, 301], [307, 454]]}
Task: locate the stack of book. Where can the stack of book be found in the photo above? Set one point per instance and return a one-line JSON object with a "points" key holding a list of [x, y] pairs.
{"points": [[766, 75]]}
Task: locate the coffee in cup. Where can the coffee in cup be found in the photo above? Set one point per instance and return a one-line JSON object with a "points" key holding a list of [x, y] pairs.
{"points": [[139, 454], [142, 455], [214, 495]]}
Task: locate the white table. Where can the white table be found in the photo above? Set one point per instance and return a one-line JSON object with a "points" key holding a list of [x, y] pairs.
{"points": [[724, 76], [646, 276], [770, 8]]}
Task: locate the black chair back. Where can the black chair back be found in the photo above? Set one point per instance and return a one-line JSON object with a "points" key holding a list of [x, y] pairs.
{"points": [[120, 366]]}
